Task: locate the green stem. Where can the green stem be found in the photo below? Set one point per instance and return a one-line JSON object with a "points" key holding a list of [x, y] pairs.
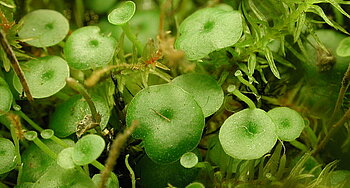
{"points": [[31, 122], [239, 75], [79, 12], [18, 154], [232, 89], [44, 148], [132, 37], [59, 141], [299, 145], [133, 180], [98, 165]]}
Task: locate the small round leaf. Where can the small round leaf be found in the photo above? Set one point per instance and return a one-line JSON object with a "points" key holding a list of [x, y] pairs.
{"points": [[7, 155], [88, 149], [289, 123], [204, 89], [207, 30], [47, 133], [248, 134], [88, 48], [45, 76], [195, 185], [5, 100], [123, 13], [64, 158], [170, 121], [42, 28], [189, 160], [31, 135], [111, 182]]}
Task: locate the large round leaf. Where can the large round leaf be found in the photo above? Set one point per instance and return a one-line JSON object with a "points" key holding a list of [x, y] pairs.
{"points": [[67, 115], [170, 121], [45, 76], [42, 28], [87, 48], [7, 155], [248, 134], [207, 30]]}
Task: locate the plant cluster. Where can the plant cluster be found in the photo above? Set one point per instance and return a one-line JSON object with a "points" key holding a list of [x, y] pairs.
{"points": [[173, 93]]}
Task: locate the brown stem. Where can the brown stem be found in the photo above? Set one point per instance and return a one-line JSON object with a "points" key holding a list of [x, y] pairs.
{"points": [[342, 91], [15, 65], [114, 153], [333, 130]]}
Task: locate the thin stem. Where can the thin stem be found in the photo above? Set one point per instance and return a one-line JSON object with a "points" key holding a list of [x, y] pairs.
{"points": [[15, 65], [239, 76], [114, 153], [232, 89], [18, 154], [30, 122], [79, 12], [133, 180], [333, 130], [132, 37], [342, 91], [59, 141], [299, 145], [44, 148], [96, 117]]}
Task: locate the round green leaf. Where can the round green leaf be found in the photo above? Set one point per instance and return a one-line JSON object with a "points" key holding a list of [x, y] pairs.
{"points": [[111, 182], [248, 134], [88, 48], [36, 162], [60, 177], [343, 49], [207, 30], [289, 123], [5, 100], [64, 158], [7, 155], [45, 76], [339, 177], [204, 89], [123, 13], [88, 149], [170, 121], [69, 114], [189, 160], [47, 133], [42, 28]]}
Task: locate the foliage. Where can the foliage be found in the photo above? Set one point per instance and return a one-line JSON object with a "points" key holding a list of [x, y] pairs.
{"points": [[241, 93]]}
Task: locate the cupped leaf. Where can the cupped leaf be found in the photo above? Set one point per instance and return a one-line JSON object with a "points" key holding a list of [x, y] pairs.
{"points": [[195, 185], [123, 13], [343, 49], [7, 155], [60, 177], [208, 30], [6, 97], [248, 134], [189, 160], [47, 133], [71, 113], [170, 121], [36, 162], [289, 123], [204, 89], [45, 76], [153, 175], [31, 135], [88, 48], [64, 158], [42, 28], [88, 149]]}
